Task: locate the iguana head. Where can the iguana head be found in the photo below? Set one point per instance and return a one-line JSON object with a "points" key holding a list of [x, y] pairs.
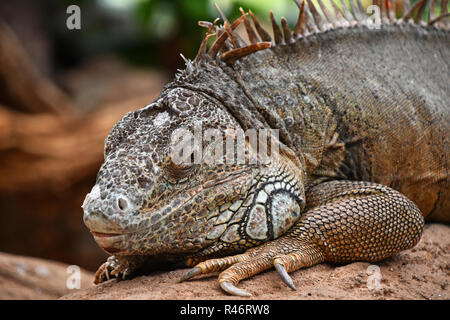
{"points": [[154, 197]]}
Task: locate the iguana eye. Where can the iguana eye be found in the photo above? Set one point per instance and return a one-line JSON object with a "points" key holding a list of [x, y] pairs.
{"points": [[182, 169]]}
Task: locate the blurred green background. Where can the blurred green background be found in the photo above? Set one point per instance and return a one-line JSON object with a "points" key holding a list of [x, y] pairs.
{"points": [[143, 32]]}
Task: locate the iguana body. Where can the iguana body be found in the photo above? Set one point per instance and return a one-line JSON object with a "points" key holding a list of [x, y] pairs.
{"points": [[364, 125]]}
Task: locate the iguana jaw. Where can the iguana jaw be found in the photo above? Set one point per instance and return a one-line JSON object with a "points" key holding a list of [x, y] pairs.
{"points": [[194, 208]]}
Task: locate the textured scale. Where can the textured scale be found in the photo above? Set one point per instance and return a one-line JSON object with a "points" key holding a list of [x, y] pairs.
{"points": [[363, 120]]}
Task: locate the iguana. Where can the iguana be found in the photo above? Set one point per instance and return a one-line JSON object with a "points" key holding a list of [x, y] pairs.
{"points": [[363, 120]]}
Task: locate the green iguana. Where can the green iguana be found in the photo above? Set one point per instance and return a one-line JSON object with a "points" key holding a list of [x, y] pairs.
{"points": [[363, 120]]}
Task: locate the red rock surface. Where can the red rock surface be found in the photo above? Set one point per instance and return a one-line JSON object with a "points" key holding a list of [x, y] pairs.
{"points": [[32, 278]]}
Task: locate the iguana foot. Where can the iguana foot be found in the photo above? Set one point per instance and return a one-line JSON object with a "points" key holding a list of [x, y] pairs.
{"points": [[285, 254], [344, 221], [119, 267]]}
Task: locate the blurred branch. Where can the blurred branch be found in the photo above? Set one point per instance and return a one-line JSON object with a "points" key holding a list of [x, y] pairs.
{"points": [[23, 87], [45, 144], [46, 150]]}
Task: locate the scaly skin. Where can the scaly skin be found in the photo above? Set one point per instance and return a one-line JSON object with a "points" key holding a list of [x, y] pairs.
{"points": [[364, 129], [344, 221]]}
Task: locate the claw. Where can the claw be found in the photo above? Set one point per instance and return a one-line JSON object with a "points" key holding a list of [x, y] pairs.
{"points": [[118, 272], [285, 276], [191, 273], [125, 273], [231, 289]]}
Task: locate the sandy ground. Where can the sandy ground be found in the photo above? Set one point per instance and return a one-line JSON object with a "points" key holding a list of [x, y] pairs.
{"points": [[420, 273]]}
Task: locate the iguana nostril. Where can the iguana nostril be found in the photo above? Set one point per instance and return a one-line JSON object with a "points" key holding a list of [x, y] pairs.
{"points": [[122, 203]]}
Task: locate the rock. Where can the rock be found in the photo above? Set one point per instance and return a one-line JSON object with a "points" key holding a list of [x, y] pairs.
{"points": [[418, 273], [32, 278]]}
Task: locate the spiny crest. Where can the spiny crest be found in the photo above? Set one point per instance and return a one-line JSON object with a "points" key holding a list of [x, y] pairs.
{"points": [[229, 46]]}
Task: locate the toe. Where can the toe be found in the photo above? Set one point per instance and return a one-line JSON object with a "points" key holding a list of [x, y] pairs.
{"points": [[191, 273], [229, 278], [213, 265]]}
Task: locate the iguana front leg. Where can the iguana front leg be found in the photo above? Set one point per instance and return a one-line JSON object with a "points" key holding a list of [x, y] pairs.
{"points": [[118, 267], [345, 221]]}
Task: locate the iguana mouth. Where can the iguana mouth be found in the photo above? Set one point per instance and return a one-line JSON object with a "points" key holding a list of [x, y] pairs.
{"points": [[107, 235], [110, 242]]}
